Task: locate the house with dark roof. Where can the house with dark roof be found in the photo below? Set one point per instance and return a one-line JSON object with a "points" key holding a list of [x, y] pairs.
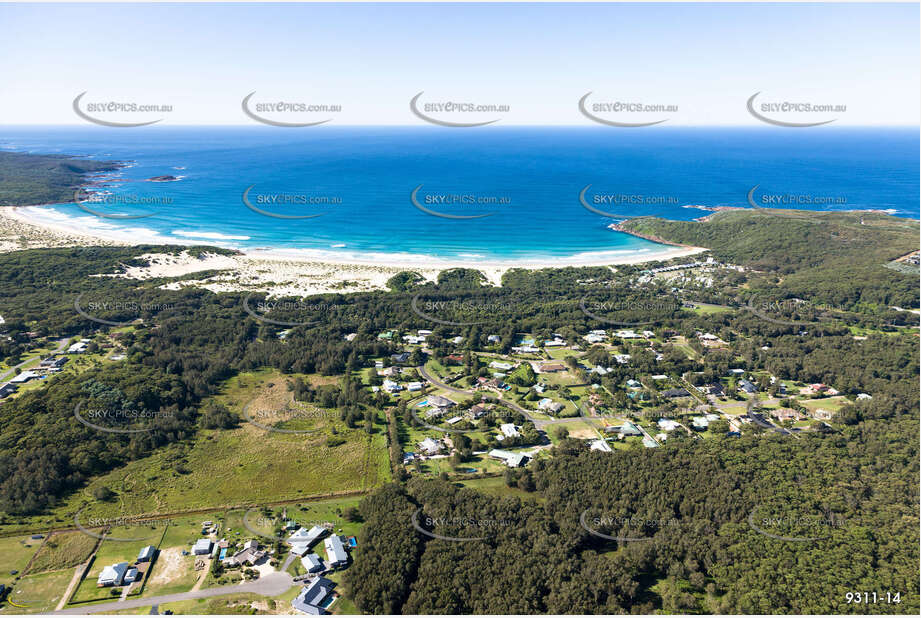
{"points": [[747, 386], [312, 596], [673, 393], [147, 553]]}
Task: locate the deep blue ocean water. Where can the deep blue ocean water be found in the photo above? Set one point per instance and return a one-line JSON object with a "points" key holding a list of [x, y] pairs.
{"points": [[529, 178]]}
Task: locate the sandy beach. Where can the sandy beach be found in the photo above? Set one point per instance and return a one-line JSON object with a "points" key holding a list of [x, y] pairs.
{"points": [[280, 272]]}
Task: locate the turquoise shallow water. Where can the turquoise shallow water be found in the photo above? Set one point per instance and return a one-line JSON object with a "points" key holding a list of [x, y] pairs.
{"points": [[526, 180]]}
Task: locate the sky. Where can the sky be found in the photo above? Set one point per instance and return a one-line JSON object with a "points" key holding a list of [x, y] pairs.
{"points": [[703, 60]]}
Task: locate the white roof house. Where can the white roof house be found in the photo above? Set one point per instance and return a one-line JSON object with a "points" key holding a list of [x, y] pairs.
{"points": [[667, 424], [392, 387], [509, 430], [335, 551], [303, 538], [512, 460], [430, 446], [202, 547], [414, 386], [312, 563], [113, 575]]}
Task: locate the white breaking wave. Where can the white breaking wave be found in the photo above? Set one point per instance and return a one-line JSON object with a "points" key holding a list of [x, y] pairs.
{"points": [[208, 235]]}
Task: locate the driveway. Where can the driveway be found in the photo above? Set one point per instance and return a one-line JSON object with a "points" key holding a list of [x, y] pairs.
{"points": [[11, 372], [271, 585]]}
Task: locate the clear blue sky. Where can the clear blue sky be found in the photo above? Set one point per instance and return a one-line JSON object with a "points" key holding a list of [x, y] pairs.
{"points": [[537, 58]]}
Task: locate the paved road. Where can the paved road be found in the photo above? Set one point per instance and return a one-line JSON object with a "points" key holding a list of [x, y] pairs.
{"points": [[270, 585], [62, 343]]}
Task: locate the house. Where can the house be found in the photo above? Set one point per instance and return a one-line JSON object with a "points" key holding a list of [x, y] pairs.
{"points": [[602, 371], [412, 387], [551, 368], [413, 339], [626, 334], [113, 575], [430, 446], [457, 359], [509, 430], [312, 563], [659, 376], [623, 359], [554, 343], [23, 377], [79, 347], [202, 547], [54, 363], [389, 372], [600, 445], [457, 340], [667, 424], [700, 422], [392, 387], [494, 339], [311, 598], [501, 366], [823, 415], [736, 372], [512, 460], [250, 554], [400, 358], [648, 334], [423, 332], [715, 389], [747, 386], [785, 414], [862, 396], [440, 402], [627, 429], [7, 389], [591, 338], [335, 552], [301, 540], [674, 393], [633, 384], [477, 411], [147, 553], [350, 336], [649, 443], [525, 349], [386, 335]]}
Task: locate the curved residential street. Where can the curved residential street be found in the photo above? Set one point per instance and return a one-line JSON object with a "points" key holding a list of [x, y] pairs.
{"points": [[271, 585]]}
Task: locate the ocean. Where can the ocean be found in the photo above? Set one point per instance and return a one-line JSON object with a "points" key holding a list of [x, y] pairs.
{"points": [[488, 193]]}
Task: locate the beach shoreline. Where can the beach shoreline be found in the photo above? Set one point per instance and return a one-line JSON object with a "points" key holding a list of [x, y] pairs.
{"points": [[282, 272]]}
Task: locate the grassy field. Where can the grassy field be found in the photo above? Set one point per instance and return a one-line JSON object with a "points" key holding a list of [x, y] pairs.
{"points": [[62, 550], [38, 593], [247, 465], [16, 552]]}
